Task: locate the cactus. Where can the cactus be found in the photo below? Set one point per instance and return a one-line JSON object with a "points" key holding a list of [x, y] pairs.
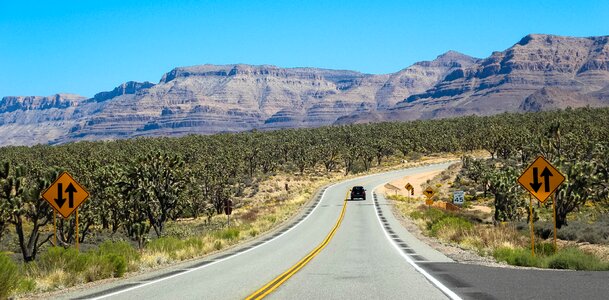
{"points": [[155, 184], [508, 199], [137, 185], [582, 178], [25, 205]]}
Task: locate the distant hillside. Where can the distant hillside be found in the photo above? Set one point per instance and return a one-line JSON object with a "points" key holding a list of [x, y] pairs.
{"points": [[540, 72]]}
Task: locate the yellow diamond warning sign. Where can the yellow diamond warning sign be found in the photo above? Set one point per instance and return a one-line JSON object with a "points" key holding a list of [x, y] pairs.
{"points": [[428, 192], [541, 179], [65, 194]]}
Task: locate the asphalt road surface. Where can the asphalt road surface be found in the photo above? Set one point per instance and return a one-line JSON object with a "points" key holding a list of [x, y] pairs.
{"points": [[369, 256]]}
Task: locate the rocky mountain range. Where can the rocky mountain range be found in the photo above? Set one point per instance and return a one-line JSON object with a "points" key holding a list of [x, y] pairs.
{"points": [[540, 72]]}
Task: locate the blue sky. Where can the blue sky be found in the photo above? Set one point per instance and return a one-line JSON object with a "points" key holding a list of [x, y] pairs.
{"points": [[85, 46]]}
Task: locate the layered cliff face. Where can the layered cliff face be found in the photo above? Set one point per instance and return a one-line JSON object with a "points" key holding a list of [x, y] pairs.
{"points": [[501, 82], [550, 98], [127, 88], [30, 120], [539, 72], [209, 99]]}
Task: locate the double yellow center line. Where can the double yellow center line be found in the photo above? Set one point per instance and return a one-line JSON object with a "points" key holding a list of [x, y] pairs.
{"points": [[279, 280]]}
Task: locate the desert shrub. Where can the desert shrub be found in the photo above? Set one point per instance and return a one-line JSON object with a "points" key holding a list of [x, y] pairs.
{"points": [[518, 257], [250, 215], [104, 266], [402, 198], [176, 248], [575, 259], [55, 258], [98, 267], [414, 156], [282, 198], [228, 234], [581, 231], [26, 285], [272, 219], [118, 263], [167, 244], [120, 248], [544, 229], [578, 231], [568, 258], [194, 242], [358, 167], [544, 249], [110, 260], [179, 231], [467, 204], [433, 215], [415, 215], [9, 276], [395, 197], [451, 228]]}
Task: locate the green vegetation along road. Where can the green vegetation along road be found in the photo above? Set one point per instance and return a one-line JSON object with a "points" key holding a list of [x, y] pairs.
{"points": [[371, 256], [360, 262]]}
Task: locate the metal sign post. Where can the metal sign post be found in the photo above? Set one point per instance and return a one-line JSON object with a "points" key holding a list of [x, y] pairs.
{"points": [[532, 228], [228, 210], [410, 188], [541, 179], [428, 192], [65, 195], [77, 246], [554, 206], [54, 228]]}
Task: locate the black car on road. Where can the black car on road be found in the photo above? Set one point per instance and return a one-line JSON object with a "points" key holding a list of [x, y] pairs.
{"points": [[358, 192]]}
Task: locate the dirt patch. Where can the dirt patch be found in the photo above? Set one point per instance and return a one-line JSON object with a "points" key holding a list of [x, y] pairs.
{"points": [[397, 187], [481, 208]]}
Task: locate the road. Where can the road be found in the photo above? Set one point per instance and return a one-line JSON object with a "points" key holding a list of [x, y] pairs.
{"points": [[368, 255]]}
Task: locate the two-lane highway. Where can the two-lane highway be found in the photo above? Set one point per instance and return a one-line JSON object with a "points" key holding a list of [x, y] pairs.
{"points": [[362, 261], [359, 261], [337, 249]]}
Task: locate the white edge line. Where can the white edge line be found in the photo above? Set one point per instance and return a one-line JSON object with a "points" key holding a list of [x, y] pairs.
{"points": [[433, 280], [236, 254], [216, 261], [251, 249]]}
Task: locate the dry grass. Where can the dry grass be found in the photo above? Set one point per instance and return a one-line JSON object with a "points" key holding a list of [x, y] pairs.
{"points": [[600, 251], [482, 238], [57, 279], [486, 238], [505, 242], [265, 205]]}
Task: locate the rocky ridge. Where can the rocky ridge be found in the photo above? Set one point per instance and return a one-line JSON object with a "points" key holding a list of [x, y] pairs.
{"points": [[539, 72], [573, 72]]}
